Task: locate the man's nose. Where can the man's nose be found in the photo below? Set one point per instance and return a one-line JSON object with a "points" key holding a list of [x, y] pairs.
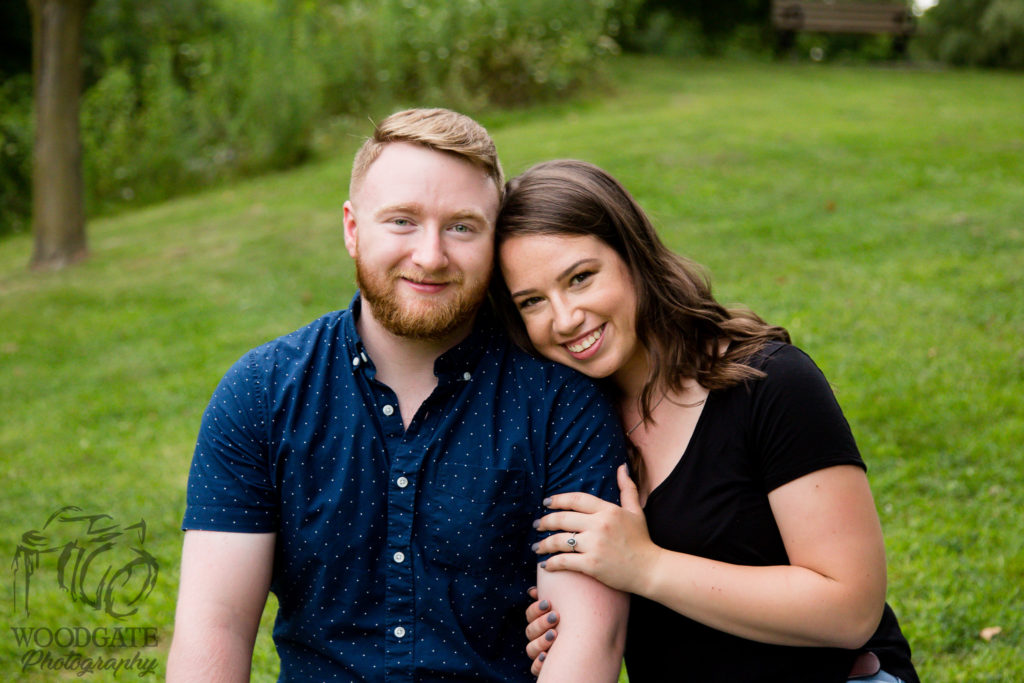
{"points": [[429, 253]]}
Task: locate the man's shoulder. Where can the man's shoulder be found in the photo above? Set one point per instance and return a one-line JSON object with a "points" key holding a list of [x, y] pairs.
{"points": [[317, 340], [531, 367], [552, 389], [326, 328]]}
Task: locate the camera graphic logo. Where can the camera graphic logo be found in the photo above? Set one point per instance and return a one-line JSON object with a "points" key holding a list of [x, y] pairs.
{"points": [[98, 562]]}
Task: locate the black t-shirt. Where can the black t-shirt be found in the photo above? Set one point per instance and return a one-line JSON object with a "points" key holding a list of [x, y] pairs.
{"points": [[750, 439]]}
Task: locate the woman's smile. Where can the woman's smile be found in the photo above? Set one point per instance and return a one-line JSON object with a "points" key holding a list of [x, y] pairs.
{"points": [[588, 342]]}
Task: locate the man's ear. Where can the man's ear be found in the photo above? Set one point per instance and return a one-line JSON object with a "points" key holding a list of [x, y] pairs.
{"points": [[351, 240]]}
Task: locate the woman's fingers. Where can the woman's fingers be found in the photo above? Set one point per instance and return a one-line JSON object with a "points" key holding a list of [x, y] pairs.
{"points": [[537, 664], [628, 493], [561, 521], [537, 608], [578, 501], [540, 626], [537, 648], [563, 542], [540, 630]]}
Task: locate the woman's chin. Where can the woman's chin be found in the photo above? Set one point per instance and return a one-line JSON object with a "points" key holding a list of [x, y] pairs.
{"points": [[586, 367]]}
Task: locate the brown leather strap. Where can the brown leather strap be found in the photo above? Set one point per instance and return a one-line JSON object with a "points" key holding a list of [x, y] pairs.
{"points": [[865, 665]]}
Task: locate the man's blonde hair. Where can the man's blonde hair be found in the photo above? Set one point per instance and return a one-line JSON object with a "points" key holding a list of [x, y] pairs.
{"points": [[438, 129]]}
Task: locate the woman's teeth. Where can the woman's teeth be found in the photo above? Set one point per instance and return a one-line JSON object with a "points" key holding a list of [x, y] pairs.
{"points": [[586, 342]]}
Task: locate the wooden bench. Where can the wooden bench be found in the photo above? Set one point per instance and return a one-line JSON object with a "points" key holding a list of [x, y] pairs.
{"points": [[790, 17]]}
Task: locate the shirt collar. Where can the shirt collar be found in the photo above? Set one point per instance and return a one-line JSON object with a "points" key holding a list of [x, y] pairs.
{"points": [[455, 364]]}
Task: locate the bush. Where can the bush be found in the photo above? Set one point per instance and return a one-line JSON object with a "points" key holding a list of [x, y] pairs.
{"points": [[975, 33], [701, 27], [16, 139], [183, 93], [504, 53]]}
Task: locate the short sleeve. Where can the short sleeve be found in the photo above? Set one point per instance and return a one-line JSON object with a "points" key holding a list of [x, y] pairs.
{"points": [[230, 485], [797, 424], [585, 443]]}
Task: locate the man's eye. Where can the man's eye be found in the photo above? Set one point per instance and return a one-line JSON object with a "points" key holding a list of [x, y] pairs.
{"points": [[461, 227], [401, 221]]}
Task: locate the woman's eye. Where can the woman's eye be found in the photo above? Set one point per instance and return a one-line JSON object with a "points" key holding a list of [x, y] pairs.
{"points": [[580, 277], [526, 303]]}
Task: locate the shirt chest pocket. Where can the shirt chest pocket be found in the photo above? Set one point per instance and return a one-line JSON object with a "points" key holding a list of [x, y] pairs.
{"points": [[478, 519]]}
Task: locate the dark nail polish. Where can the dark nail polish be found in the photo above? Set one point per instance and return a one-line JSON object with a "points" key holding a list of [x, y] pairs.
{"points": [[544, 604], [544, 564], [536, 524], [542, 656], [549, 636], [547, 502], [534, 547], [552, 618]]}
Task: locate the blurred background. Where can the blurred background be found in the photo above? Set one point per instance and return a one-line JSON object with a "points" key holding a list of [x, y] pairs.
{"points": [[862, 190], [179, 94]]}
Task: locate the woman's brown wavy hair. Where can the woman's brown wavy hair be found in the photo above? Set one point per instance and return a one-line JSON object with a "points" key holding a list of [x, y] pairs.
{"points": [[678, 321]]}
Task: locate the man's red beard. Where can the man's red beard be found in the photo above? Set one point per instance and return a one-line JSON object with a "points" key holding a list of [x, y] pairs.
{"points": [[424, 319]]}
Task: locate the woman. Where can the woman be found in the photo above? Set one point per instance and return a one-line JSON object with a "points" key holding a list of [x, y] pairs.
{"points": [[750, 539]]}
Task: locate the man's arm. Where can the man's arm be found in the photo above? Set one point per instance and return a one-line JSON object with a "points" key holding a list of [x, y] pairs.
{"points": [[591, 628], [225, 578]]}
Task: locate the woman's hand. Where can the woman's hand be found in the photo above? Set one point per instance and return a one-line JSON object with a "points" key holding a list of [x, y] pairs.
{"points": [[611, 542], [540, 630]]}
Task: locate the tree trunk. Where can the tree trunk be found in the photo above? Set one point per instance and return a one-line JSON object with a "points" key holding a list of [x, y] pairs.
{"points": [[58, 210]]}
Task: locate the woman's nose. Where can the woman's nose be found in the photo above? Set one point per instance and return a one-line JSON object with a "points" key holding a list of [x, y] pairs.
{"points": [[567, 317]]}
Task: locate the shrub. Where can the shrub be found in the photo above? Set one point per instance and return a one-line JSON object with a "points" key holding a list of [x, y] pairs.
{"points": [[16, 138], [975, 33], [185, 93]]}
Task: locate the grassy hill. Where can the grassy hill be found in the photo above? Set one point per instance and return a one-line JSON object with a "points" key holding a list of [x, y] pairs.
{"points": [[875, 213]]}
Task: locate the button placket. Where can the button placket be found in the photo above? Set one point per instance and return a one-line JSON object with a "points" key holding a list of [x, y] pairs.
{"points": [[408, 455]]}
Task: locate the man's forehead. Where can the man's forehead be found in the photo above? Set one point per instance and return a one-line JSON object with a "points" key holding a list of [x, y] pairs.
{"points": [[397, 157], [420, 179]]}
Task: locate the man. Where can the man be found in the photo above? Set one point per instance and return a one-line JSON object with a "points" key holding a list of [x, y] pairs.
{"points": [[379, 469]]}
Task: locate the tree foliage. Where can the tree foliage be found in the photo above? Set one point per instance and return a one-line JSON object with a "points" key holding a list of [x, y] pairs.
{"points": [[183, 93], [976, 32]]}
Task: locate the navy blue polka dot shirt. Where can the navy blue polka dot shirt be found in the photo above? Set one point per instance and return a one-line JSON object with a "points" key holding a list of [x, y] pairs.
{"points": [[402, 554]]}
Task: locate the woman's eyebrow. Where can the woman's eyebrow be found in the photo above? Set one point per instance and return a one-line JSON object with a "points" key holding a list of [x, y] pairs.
{"points": [[561, 276], [565, 273]]}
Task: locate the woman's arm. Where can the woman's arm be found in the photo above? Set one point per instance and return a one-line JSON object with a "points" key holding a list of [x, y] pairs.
{"points": [[831, 594]]}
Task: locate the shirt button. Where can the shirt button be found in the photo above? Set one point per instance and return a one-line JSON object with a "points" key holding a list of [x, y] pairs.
{"points": [[467, 376], [402, 482], [355, 362], [388, 410], [399, 557], [399, 631]]}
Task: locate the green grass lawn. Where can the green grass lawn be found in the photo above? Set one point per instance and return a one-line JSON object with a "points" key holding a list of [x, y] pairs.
{"points": [[876, 213]]}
